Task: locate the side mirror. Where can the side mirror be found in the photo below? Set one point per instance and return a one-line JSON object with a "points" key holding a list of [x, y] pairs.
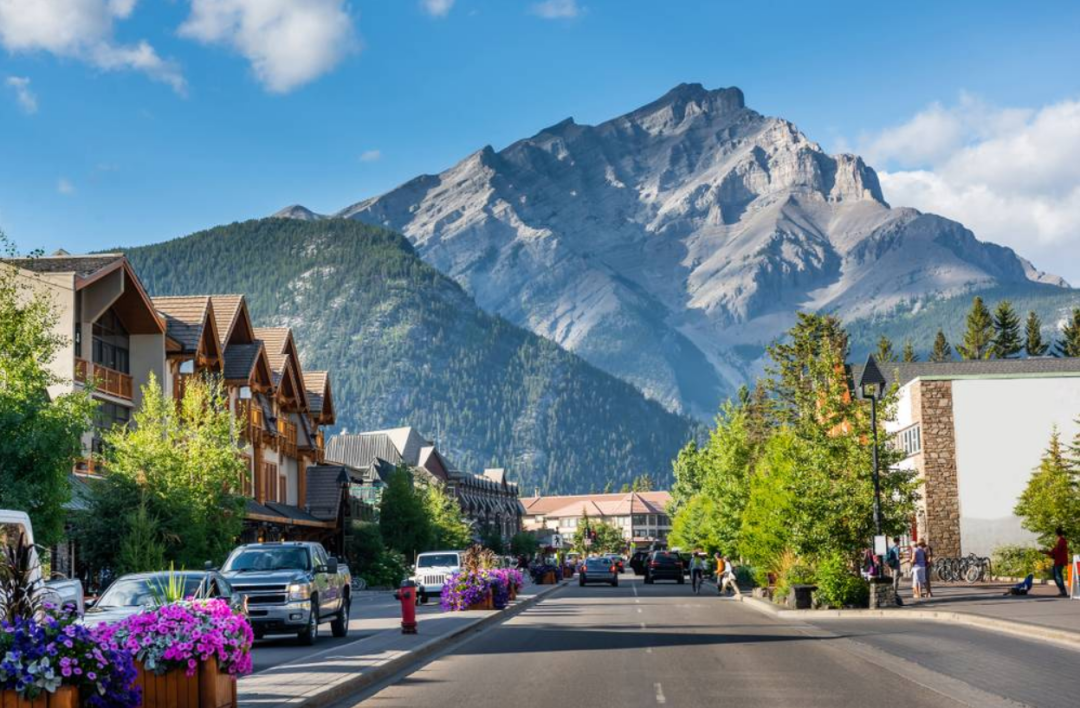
{"points": [[209, 565], [331, 566], [90, 602]]}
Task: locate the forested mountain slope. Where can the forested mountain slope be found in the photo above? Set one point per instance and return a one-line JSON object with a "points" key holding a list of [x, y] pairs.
{"points": [[406, 345]]}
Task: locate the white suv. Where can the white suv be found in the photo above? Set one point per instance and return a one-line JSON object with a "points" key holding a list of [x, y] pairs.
{"points": [[432, 570]]}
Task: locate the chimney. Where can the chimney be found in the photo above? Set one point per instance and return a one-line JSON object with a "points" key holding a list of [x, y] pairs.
{"points": [[536, 491]]}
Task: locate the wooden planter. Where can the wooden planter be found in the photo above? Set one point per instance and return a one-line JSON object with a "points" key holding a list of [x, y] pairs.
{"points": [[65, 697], [208, 688], [549, 578], [487, 604]]}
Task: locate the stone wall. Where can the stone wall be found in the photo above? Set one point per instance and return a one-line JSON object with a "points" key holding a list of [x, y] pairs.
{"points": [[933, 405]]}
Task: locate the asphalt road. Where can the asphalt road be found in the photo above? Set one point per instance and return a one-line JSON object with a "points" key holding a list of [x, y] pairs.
{"points": [[649, 645], [371, 612]]}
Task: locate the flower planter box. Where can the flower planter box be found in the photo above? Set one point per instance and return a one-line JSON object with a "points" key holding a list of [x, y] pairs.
{"points": [[487, 604], [65, 697], [208, 688]]}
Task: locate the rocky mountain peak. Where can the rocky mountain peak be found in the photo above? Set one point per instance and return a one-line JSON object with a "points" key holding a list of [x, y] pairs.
{"points": [[297, 211], [670, 244]]}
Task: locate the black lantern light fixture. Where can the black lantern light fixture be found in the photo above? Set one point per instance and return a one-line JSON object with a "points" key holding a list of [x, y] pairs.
{"points": [[872, 386]]}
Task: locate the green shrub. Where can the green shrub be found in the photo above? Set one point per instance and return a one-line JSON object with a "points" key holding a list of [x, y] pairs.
{"points": [[839, 586], [1018, 561], [370, 559], [790, 570]]}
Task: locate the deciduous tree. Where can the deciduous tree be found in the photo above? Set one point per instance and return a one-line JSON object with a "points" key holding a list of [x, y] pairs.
{"points": [[1052, 496], [403, 514]]}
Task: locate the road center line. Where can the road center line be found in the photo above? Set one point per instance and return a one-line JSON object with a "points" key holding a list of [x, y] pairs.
{"points": [[660, 699]]}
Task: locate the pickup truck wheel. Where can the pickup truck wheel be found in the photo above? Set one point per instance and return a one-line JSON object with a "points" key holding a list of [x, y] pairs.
{"points": [[310, 633], [340, 626]]}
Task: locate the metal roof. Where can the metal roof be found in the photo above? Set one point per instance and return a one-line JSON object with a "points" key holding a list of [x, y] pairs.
{"points": [[903, 373]]}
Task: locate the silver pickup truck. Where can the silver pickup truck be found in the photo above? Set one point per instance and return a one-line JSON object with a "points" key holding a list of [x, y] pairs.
{"points": [[291, 587]]}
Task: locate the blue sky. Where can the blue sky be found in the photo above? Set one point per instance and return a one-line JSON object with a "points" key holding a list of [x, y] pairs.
{"points": [[229, 111]]}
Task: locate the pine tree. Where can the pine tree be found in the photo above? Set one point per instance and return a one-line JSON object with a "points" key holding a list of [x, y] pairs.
{"points": [[1069, 345], [909, 356], [979, 337], [942, 351], [1007, 342], [1033, 341], [1052, 496], [885, 353]]}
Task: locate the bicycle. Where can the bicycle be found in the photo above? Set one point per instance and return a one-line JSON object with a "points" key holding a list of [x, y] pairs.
{"points": [[357, 583]]}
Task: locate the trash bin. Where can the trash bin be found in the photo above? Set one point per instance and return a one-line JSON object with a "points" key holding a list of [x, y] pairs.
{"points": [[803, 596]]}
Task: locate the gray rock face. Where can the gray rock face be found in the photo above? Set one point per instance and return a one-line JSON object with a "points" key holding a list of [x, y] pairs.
{"points": [[668, 245]]}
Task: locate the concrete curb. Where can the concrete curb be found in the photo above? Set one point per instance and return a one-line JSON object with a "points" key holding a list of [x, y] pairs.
{"points": [[1019, 629], [340, 691]]}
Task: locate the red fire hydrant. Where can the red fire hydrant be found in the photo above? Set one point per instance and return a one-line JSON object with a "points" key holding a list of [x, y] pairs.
{"points": [[407, 595]]}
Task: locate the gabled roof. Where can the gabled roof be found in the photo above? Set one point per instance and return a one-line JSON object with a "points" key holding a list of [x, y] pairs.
{"points": [[232, 319], [284, 360], [324, 489], [620, 504], [320, 400], [243, 360], [362, 450], [190, 321], [903, 373]]}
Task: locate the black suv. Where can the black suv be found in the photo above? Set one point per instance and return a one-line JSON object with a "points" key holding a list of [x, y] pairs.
{"points": [[664, 565], [638, 561]]}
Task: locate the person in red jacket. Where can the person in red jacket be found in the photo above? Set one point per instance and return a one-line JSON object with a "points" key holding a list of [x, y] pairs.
{"points": [[1060, 554]]}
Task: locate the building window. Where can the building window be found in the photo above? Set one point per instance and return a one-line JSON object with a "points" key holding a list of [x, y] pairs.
{"points": [[106, 416], [909, 440], [111, 343], [640, 520]]}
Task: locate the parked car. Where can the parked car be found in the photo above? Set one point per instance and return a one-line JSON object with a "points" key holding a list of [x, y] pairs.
{"points": [[638, 562], [60, 591], [664, 565], [291, 587], [132, 593], [598, 570], [431, 571]]}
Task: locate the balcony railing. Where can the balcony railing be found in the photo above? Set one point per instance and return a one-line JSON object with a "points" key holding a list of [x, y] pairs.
{"points": [[110, 381], [287, 431]]}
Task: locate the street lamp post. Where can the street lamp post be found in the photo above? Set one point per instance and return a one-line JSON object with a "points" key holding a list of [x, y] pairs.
{"points": [[872, 385]]}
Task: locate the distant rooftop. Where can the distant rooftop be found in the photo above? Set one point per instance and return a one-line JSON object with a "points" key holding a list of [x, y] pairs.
{"points": [[902, 373]]}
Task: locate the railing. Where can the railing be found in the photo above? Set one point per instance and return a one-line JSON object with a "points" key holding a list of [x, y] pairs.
{"points": [[110, 381], [320, 447], [287, 430]]}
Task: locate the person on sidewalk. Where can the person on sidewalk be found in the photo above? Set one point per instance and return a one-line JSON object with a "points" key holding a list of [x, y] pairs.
{"points": [[892, 560], [918, 569], [1060, 554]]}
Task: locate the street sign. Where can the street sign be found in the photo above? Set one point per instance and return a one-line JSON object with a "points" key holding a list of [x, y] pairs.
{"points": [[881, 545], [588, 541]]}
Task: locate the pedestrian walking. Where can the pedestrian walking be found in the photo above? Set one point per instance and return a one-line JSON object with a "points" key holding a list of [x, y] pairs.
{"points": [[892, 560], [918, 569], [1060, 554], [727, 580]]}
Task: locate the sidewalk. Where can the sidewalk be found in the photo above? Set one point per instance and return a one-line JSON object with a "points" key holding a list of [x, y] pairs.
{"points": [[327, 676], [1042, 607]]}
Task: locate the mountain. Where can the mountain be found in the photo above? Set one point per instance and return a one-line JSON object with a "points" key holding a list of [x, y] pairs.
{"points": [[406, 345], [669, 245]]}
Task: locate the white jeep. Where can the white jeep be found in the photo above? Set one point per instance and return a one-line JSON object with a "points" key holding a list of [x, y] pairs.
{"points": [[431, 571]]}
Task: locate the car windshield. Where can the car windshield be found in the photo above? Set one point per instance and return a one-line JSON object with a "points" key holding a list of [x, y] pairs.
{"points": [[136, 592], [438, 560], [262, 559]]}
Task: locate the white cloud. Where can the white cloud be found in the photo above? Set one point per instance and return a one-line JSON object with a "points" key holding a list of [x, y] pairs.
{"points": [[1010, 175], [437, 8], [64, 186], [288, 42], [556, 9], [370, 155], [82, 29], [25, 97]]}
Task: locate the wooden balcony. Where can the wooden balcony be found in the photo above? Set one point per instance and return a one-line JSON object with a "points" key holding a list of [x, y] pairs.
{"points": [[287, 431], [105, 379]]}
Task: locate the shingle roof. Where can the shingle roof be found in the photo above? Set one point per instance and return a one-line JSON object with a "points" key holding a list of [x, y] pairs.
{"points": [[240, 360], [361, 450], [225, 310], [185, 317], [274, 338], [83, 266], [608, 504], [902, 373], [324, 483], [315, 383]]}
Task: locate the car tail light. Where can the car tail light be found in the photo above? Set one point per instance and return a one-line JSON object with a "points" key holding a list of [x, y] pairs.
{"points": [[653, 564], [614, 569]]}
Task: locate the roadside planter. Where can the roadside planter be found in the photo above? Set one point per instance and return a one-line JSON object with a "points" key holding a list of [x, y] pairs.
{"points": [[51, 662], [187, 654]]}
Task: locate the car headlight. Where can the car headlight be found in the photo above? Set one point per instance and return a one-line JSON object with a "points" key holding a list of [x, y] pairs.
{"points": [[298, 592]]}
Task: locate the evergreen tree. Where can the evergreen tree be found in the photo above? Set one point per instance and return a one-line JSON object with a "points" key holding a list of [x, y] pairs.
{"points": [[885, 353], [642, 483], [979, 336], [1033, 341], [403, 516], [942, 351], [40, 437], [1007, 343], [1052, 496], [909, 356], [1069, 344]]}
